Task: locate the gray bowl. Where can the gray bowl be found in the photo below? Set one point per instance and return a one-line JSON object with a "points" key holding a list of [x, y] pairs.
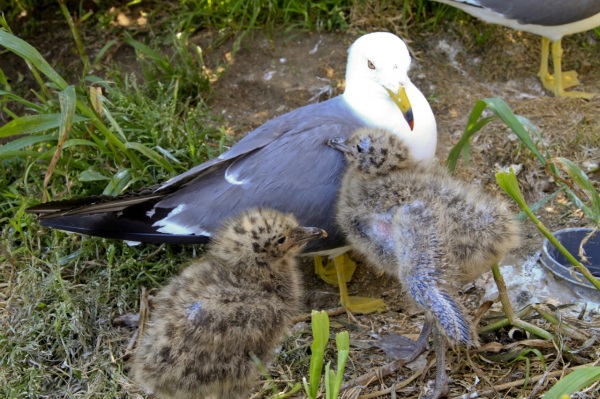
{"points": [[554, 261]]}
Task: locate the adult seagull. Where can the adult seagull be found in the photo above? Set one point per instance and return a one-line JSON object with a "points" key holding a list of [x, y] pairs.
{"points": [[551, 19], [284, 164]]}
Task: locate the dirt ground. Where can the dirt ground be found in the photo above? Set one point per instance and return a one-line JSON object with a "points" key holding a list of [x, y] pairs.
{"points": [[273, 74]]}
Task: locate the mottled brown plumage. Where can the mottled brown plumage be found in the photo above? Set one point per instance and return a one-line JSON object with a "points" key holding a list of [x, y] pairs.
{"points": [[418, 223], [237, 301]]}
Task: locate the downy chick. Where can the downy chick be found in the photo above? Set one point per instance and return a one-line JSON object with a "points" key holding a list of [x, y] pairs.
{"points": [[237, 301], [416, 222]]}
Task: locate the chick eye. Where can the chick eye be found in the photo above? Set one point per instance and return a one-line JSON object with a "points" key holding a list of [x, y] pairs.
{"points": [[370, 64], [359, 149], [281, 240]]}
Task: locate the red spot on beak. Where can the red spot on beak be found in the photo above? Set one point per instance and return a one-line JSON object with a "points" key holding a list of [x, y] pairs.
{"points": [[408, 116]]}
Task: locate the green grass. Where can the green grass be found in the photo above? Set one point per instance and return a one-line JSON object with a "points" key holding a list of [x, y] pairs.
{"points": [[101, 134]]}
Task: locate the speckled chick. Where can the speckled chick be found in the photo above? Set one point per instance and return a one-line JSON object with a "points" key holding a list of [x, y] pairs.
{"points": [[237, 301], [416, 222]]}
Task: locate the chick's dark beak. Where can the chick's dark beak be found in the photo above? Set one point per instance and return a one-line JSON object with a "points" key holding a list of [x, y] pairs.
{"points": [[301, 235], [339, 143]]}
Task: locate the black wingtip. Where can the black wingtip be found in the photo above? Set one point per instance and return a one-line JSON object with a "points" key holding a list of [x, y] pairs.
{"points": [[109, 225]]}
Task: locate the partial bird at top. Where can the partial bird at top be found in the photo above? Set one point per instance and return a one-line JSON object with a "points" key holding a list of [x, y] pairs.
{"points": [[283, 164], [551, 19]]}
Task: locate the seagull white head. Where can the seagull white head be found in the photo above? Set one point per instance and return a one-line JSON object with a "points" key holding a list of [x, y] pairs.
{"points": [[379, 90]]}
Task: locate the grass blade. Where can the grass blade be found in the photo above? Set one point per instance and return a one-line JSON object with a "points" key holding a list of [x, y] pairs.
{"points": [[35, 123], [91, 175], [151, 154], [118, 183], [584, 187], [25, 103], [342, 341], [23, 142], [501, 111], [320, 330], [574, 382], [31, 55], [67, 100]]}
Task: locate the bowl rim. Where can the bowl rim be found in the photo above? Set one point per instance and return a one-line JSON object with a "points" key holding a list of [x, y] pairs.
{"points": [[562, 271]]}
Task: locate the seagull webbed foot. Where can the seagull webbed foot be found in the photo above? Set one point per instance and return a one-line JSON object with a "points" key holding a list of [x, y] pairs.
{"points": [[569, 79], [339, 271]]}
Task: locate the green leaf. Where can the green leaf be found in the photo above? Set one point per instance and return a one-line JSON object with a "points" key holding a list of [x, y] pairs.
{"points": [[168, 154], [118, 183], [30, 54], [508, 182], [320, 330], [342, 341], [581, 179], [35, 123], [20, 100], [68, 101], [329, 378], [574, 382], [151, 154], [91, 175], [518, 124], [154, 55], [79, 142], [23, 142]]}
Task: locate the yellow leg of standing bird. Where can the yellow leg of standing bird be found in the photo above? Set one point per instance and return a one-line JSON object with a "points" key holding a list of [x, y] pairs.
{"points": [[560, 81], [338, 271]]}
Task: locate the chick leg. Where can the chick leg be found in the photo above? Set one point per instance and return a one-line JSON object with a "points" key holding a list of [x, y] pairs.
{"points": [[440, 387]]}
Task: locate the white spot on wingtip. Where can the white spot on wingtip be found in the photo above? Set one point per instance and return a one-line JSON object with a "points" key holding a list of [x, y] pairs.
{"points": [[232, 178], [132, 243], [168, 226], [151, 212]]}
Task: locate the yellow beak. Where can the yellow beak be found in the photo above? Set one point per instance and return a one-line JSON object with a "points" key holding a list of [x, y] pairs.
{"points": [[401, 100]]}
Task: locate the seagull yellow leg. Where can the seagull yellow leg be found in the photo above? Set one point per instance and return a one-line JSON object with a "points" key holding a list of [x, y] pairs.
{"points": [[328, 273], [563, 80], [568, 78], [339, 271]]}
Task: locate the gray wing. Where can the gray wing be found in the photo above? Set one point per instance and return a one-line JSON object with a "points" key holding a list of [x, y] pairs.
{"points": [[285, 164], [543, 12], [296, 173]]}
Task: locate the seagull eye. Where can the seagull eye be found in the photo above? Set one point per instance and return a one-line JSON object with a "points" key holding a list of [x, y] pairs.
{"points": [[370, 64], [281, 240]]}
